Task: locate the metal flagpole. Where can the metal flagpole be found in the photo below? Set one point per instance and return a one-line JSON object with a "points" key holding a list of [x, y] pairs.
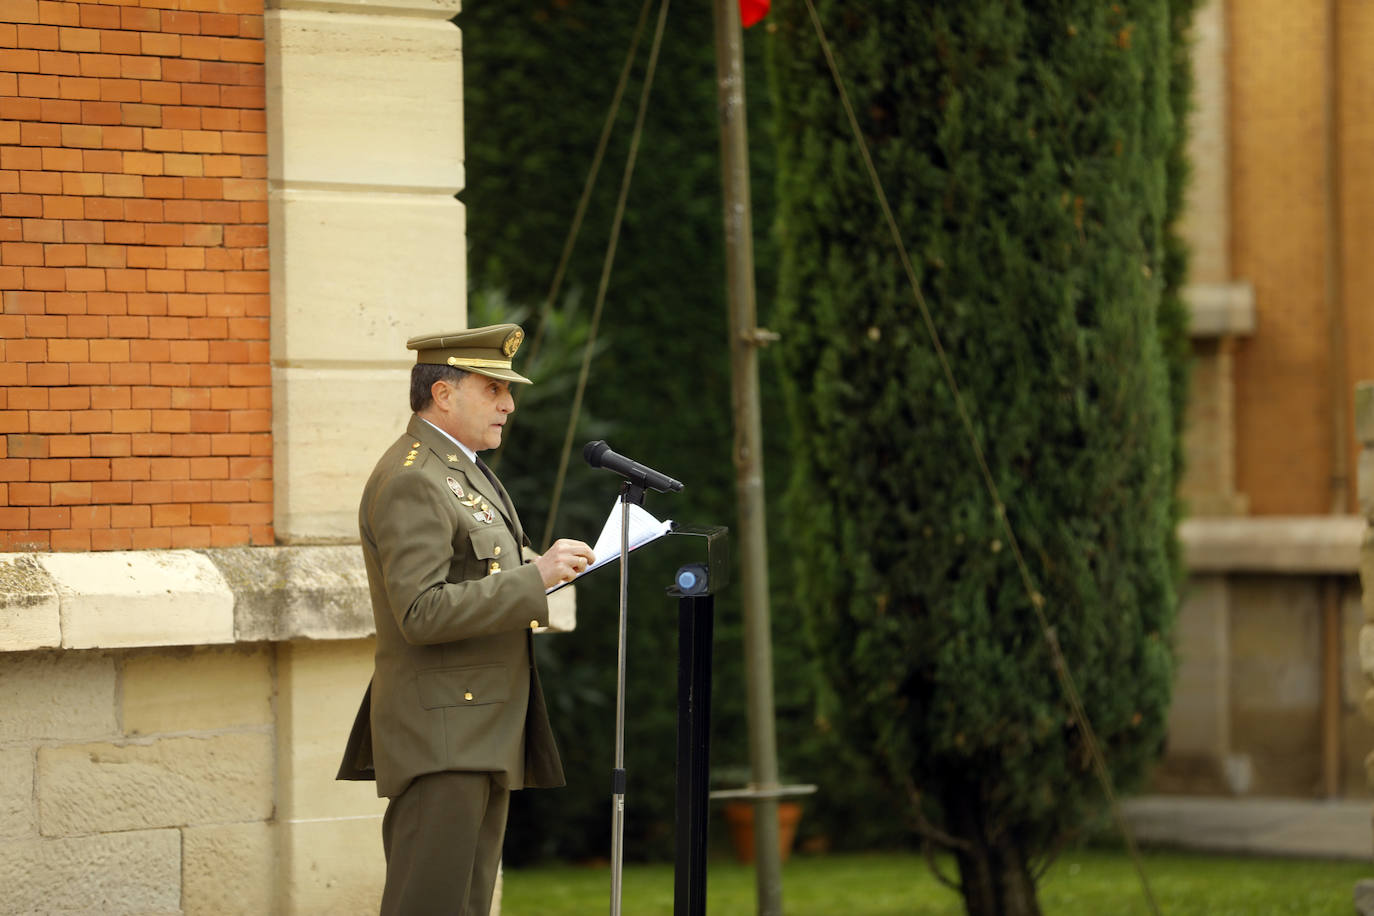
{"points": [[745, 338]]}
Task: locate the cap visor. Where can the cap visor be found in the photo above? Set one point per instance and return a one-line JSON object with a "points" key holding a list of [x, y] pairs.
{"points": [[505, 375]]}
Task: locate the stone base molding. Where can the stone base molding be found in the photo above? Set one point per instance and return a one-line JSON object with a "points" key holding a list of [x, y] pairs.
{"points": [[1254, 672]]}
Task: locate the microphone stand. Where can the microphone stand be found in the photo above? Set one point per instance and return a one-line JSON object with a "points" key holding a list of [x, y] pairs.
{"points": [[629, 493]]}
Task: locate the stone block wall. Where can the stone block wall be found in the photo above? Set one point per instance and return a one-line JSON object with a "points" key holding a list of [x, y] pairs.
{"points": [[135, 390], [188, 768], [1247, 716], [137, 781]]}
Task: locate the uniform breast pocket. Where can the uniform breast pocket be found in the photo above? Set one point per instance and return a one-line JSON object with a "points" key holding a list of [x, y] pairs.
{"points": [[493, 548], [474, 685], [486, 543]]}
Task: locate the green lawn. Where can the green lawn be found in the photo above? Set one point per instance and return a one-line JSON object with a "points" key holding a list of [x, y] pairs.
{"points": [[1085, 882]]}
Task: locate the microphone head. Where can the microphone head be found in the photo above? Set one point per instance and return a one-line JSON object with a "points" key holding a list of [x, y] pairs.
{"points": [[593, 451]]}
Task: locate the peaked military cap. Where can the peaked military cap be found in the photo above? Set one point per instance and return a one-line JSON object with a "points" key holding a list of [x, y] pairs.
{"points": [[486, 351]]}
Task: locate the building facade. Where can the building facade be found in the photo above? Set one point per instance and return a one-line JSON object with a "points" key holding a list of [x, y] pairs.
{"points": [[1279, 213], [218, 224]]}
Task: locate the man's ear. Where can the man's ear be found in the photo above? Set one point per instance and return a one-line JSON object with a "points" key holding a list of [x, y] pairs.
{"points": [[441, 391]]}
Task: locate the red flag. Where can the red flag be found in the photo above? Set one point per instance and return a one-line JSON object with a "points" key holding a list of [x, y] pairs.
{"points": [[751, 11]]}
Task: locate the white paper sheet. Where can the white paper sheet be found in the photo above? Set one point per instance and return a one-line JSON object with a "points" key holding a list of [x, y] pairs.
{"points": [[644, 528]]}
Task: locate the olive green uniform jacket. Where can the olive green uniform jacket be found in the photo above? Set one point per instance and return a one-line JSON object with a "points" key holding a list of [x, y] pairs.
{"points": [[455, 685]]}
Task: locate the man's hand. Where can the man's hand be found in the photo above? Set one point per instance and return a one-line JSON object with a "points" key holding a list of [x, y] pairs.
{"points": [[563, 561]]}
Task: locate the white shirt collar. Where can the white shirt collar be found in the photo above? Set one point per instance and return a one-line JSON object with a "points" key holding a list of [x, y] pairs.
{"points": [[472, 455]]}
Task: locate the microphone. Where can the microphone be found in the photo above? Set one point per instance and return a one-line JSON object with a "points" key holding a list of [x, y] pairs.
{"points": [[599, 455]]}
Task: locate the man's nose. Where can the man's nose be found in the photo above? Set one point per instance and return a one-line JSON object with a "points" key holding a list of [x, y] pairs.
{"points": [[508, 403]]}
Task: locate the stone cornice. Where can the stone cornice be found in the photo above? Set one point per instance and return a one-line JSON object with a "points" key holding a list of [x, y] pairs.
{"points": [[123, 599], [1220, 309], [1319, 544]]}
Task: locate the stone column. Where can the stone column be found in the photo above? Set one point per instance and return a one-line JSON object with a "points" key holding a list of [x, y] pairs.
{"points": [[365, 155], [329, 832], [367, 245], [1221, 311], [1364, 433]]}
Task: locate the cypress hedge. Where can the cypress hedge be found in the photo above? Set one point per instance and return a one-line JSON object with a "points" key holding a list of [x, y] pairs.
{"points": [[1032, 153]]}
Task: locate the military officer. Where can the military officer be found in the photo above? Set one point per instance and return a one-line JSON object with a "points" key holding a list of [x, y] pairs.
{"points": [[454, 718]]}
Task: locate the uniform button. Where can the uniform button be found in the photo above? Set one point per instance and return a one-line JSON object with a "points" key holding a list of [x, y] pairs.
{"points": [[496, 551], [468, 695], [534, 624]]}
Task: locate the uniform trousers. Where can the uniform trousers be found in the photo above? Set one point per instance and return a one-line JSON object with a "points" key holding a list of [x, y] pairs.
{"points": [[442, 837]]}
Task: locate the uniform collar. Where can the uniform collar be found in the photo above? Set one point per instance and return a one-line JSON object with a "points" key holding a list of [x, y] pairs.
{"points": [[463, 460], [471, 453]]}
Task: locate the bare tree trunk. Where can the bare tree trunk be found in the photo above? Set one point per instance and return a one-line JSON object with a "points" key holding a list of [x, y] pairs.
{"points": [[995, 875]]}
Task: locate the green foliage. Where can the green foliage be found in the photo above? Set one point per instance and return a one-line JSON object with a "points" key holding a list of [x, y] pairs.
{"points": [[539, 75], [1032, 156], [1173, 311]]}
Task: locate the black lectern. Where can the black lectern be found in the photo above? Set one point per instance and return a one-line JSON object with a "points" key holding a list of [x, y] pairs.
{"points": [[695, 586]]}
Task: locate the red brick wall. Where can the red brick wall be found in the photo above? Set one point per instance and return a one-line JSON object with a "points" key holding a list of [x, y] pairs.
{"points": [[135, 398]]}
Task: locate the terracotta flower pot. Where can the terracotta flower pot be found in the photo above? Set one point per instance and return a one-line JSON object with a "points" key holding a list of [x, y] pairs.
{"points": [[739, 815]]}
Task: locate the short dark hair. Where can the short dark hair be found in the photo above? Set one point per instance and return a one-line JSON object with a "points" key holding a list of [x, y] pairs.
{"points": [[422, 379]]}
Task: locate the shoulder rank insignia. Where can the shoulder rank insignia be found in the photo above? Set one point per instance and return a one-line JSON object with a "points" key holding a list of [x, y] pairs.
{"points": [[485, 515], [456, 487], [452, 458]]}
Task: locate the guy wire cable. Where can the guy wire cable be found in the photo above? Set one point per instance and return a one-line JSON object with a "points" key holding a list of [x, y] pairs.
{"points": [[606, 271], [588, 183], [1037, 600]]}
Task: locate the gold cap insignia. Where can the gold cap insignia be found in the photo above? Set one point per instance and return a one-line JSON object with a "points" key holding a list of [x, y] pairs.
{"points": [[512, 342]]}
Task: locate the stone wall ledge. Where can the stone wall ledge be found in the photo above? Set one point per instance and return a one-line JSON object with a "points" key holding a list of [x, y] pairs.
{"points": [[126, 599], [1288, 545]]}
